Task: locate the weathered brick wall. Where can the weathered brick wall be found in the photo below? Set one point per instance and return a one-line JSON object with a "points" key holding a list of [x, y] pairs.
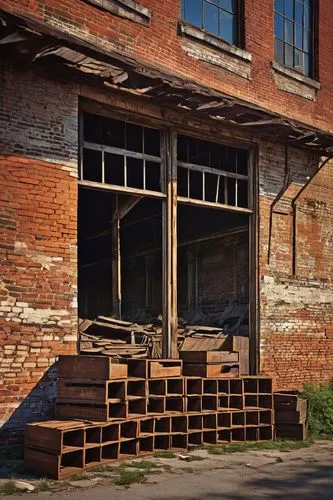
{"points": [[160, 44], [296, 311], [38, 212]]}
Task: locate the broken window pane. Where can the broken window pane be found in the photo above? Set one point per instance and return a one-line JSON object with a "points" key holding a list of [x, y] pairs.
{"points": [[114, 169], [134, 138], [127, 149], [196, 191], [134, 173], [152, 142], [153, 176], [92, 165]]}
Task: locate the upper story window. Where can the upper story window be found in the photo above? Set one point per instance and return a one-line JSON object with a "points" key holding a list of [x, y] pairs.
{"points": [[293, 31], [218, 17]]}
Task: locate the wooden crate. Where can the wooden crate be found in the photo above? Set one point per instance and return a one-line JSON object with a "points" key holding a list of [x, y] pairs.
{"points": [[93, 412], [88, 368], [290, 417], [54, 466], [91, 392], [165, 368], [204, 357], [55, 436], [211, 370], [289, 401], [298, 432]]}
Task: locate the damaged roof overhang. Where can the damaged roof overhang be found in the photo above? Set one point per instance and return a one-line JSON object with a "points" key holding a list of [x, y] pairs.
{"points": [[38, 42]]}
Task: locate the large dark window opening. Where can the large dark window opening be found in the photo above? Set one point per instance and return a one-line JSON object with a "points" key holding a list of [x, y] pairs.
{"points": [[213, 269], [140, 260], [170, 248], [294, 35], [218, 17]]}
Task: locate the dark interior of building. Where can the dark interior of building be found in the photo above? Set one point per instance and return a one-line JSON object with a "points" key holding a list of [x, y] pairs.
{"points": [[213, 265]]}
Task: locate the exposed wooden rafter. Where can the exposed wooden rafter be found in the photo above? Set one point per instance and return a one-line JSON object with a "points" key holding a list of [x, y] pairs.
{"points": [[51, 48]]}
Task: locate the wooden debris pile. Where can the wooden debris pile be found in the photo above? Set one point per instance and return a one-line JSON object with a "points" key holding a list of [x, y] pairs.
{"points": [[109, 336]]}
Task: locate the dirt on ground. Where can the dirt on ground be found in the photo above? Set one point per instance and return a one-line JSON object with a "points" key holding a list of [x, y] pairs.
{"points": [[304, 473]]}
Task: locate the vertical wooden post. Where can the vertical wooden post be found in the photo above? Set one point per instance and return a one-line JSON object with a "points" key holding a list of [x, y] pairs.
{"points": [[254, 344], [116, 262], [170, 315]]}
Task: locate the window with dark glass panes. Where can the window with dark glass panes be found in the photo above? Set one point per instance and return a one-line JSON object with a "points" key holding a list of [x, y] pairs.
{"points": [[218, 17], [293, 32]]}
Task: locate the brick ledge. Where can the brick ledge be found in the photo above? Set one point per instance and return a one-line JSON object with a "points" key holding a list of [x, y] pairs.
{"points": [[129, 9], [295, 75], [186, 29]]}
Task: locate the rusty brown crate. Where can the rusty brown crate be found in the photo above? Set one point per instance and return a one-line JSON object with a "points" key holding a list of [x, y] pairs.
{"points": [[53, 466], [54, 439], [299, 432], [204, 357], [285, 401], [88, 368], [165, 368], [211, 371]]}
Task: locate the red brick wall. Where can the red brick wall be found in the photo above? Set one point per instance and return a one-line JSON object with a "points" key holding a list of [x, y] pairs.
{"points": [[160, 45], [38, 313], [296, 311]]}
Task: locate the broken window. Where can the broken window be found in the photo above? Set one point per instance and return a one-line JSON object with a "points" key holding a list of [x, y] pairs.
{"points": [[293, 31], [121, 154], [164, 232], [212, 172], [218, 17]]}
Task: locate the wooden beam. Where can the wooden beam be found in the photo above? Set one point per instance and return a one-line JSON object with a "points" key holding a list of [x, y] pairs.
{"points": [[170, 315], [125, 207], [116, 264]]}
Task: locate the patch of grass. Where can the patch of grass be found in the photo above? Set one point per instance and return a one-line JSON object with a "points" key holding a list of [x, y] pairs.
{"points": [[127, 477], [45, 485], [79, 477], [164, 454], [143, 464], [320, 414], [283, 445], [104, 468], [8, 488]]}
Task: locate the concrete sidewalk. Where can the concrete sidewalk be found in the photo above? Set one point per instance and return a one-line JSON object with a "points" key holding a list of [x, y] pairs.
{"points": [[301, 474]]}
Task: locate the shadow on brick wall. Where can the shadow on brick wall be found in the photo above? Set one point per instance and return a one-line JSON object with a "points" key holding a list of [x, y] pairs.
{"points": [[38, 405]]}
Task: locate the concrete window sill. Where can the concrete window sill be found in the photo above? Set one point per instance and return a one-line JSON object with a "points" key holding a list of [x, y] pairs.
{"points": [[187, 30], [295, 75], [129, 9]]}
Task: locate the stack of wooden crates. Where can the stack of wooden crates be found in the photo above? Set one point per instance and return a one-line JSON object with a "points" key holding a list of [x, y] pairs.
{"points": [[106, 411]]}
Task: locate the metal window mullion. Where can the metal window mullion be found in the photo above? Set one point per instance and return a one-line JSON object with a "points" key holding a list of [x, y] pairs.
{"points": [[217, 189], [125, 171], [202, 14], [103, 166], [208, 170], [203, 185], [225, 190], [144, 161], [121, 152], [81, 135]]}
